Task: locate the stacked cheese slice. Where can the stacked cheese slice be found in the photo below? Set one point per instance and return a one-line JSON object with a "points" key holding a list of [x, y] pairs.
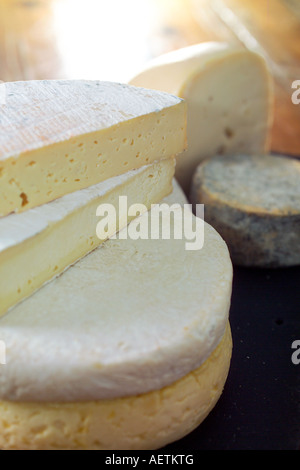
{"points": [[65, 148]]}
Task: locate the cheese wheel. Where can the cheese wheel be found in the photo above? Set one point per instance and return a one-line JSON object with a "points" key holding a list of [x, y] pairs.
{"points": [[135, 333], [144, 422], [59, 136], [254, 203], [229, 95]]}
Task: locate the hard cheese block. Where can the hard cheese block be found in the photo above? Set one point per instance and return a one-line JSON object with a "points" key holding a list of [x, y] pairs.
{"points": [[254, 203], [39, 244], [229, 97], [134, 316], [57, 137]]}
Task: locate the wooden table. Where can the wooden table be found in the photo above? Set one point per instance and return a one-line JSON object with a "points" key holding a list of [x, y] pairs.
{"points": [[109, 40]]}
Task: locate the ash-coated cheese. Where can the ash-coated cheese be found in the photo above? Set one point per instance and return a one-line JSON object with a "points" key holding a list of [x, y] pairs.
{"points": [[134, 316], [254, 203], [57, 137], [39, 244], [229, 97]]}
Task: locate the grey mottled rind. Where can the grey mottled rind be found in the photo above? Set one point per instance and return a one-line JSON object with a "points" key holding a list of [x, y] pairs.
{"points": [[254, 203]]}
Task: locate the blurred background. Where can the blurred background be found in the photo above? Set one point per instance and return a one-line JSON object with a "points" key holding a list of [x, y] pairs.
{"points": [[112, 39]]}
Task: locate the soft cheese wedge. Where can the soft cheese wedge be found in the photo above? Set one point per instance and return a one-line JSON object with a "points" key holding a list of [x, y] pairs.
{"points": [[229, 95], [128, 349], [57, 137], [39, 244]]}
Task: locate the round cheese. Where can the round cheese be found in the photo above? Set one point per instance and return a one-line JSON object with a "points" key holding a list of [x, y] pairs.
{"points": [[134, 316], [254, 203], [147, 421]]}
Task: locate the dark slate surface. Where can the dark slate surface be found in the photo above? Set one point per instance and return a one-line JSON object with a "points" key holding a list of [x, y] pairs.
{"points": [[260, 405]]}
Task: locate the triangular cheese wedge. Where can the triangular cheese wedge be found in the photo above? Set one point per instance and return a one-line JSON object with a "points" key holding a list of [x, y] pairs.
{"points": [[59, 136]]}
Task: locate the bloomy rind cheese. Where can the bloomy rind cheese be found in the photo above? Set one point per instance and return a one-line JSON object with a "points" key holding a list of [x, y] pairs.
{"points": [[147, 421], [39, 244], [78, 345], [229, 95], [254, 203], [60, 136]]}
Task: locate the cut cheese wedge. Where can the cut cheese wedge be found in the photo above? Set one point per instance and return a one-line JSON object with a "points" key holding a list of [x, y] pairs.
{"points": [[57, 137], [229, 95], [128, 349], [39, 244]]}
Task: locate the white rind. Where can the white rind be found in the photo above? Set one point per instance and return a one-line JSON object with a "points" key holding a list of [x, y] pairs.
{"points": [[43, 112], [181, 64], [132, 317]]}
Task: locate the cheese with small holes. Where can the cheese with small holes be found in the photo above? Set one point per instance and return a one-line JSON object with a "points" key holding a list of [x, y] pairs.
{"points": [[229, 97], [39, 244], [128, 349], [254, 203], [57, 137]]}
